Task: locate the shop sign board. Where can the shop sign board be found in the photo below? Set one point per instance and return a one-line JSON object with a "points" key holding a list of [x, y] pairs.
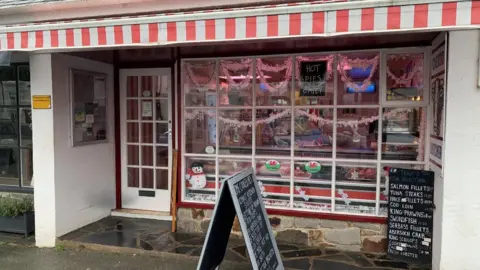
{"points": [[410, 215], [312, 77], [42, 102], [240, 195]]}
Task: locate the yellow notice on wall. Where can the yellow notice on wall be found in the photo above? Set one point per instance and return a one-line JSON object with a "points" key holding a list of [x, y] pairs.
{"points": [[42, 102]]}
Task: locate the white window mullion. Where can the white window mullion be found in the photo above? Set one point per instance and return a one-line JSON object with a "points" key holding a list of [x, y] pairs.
{"points": [[334, 141]]}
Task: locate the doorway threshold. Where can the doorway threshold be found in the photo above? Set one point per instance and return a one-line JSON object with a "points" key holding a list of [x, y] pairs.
{"points": [[144, 214]]}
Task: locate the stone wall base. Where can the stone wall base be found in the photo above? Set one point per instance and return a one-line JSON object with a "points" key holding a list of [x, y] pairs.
{"points": [[342, 235]]}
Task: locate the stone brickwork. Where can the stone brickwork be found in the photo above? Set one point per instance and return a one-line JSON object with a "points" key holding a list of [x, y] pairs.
{"points": [[342, 235]]}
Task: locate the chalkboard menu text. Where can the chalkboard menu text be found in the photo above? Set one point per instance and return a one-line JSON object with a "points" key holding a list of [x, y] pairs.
{"points": [[410, 215], [312, 76], [240, 195]]}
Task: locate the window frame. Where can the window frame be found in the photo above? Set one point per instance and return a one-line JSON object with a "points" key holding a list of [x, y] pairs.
{"points": [[334, 160]]}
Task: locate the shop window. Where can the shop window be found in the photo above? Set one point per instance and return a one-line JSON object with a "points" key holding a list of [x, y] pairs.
{"points": [[309, 125], [405, 78], [16, 166]]}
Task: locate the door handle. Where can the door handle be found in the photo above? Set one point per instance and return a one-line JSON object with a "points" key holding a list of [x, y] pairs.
{"points": [[169, 132]]}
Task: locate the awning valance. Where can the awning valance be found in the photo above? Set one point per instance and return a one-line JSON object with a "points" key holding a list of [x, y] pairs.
{"points": [[309, 19]]}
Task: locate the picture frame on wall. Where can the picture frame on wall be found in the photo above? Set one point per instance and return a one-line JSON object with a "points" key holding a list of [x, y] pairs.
{"points": [[88, 107]]}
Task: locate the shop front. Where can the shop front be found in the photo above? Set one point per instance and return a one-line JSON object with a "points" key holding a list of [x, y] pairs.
{"points": [[321, 99]]}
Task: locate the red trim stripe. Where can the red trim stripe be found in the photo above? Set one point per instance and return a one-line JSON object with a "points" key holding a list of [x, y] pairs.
{"points": [[295, 24], [39, 39], [342, 20], [85, 37], [475, 16], [118, 34], [251, 27], [24, 40], [393, 17], [209, 29], [449, 14], [420, 19], [171, 31], [272, 26], [318, 22], [191, 30], [54, 38], [102, 36], [70, 39], [368, 19], [230, 28], [136, 33], [153, 32]]}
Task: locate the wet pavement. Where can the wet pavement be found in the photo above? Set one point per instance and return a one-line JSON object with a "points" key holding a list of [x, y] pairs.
{"points": [[153, 235]]}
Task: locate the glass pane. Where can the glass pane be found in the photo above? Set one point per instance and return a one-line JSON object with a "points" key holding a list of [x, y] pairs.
{"points": [[355, 188], [313, 185], [199, 82], [148, 86], [314, 80], [8, 86], [228, 166], [403, 135], [147, 155], [24, 85], [8, 127], [27, 167], [274, 81], [235, 132], [199, 183], [147, 109], [132, 132], [162, 136], [162, 156], [358, 78], [162, 179], [26, 127], [162, 110], [273, 132], [162, 86], [356, 133], [8, 166], [236, 82], [147, 132], [133, 155], [147, 178], [133, 177], [132, 86], [132, 109], [405, 76], [273, 178], [384, 182], [313, 132], [200, 131]]}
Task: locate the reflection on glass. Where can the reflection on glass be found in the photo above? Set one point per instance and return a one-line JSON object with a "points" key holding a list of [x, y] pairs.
{"points": [[162, 85], [236, 82], [8, 167], [273, 176], [235, 131], [24, 85], [162, 133], [313, 185], [162, 156], [403, 134], [133, 155], [27, 167], [147, 155], [324, 95], [384, 180], [199, 81], [132, 109], [199, 182], [356, 133], [25, 127], [8, 127], [8, 86], [161, 110], [162, 179], [133, 133], [229, 166], [274, 80], [273, 132], [313, 132], [147, 178], [133, 177], [355, 188], [132, 86], [358, 78], [405, 77], [200, 131]]}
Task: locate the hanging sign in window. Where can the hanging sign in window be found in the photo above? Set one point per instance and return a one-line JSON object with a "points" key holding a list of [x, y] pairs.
{"points": [[312, 78]]}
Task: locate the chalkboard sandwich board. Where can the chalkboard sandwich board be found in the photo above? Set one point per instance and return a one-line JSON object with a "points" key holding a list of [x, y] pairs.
{"points": [[410, 215], [312, 76], [240, 195]]}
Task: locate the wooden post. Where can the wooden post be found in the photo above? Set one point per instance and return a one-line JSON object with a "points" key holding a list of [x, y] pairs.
{"points": [[173, 204]]}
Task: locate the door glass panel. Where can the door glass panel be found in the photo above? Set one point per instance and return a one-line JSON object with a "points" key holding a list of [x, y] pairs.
{"points": [[147, 155], [147, 132], [27, 167], [25, 127], [162, 86], [162, 179], [162, 136], [8, 166], [24, 85], [132, 132], [162, 156], [132, 86], [146, 89], [8, 87], [132, 154], [133, 177], [147, 178], [162, 109], [132, 109]]}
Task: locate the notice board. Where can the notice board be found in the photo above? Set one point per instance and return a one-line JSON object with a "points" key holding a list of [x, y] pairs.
{"points": [[240, 195], [410, 215]]}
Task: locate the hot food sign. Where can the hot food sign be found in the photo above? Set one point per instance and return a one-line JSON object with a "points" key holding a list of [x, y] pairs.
{"points": [[312, 78]]}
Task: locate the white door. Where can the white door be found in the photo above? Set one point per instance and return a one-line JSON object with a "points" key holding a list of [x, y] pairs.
{"points": [[146, 138]]}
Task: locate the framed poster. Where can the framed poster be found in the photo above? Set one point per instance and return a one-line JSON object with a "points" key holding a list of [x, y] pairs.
{"points": [[88, 107]]}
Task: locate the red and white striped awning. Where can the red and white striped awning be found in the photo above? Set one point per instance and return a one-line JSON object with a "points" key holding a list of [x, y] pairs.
{"points": [[308, 19]]}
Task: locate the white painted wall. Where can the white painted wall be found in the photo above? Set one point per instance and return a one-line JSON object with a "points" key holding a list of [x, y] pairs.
{"points": [[74, 186], [461, 184], [84, 175]]}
